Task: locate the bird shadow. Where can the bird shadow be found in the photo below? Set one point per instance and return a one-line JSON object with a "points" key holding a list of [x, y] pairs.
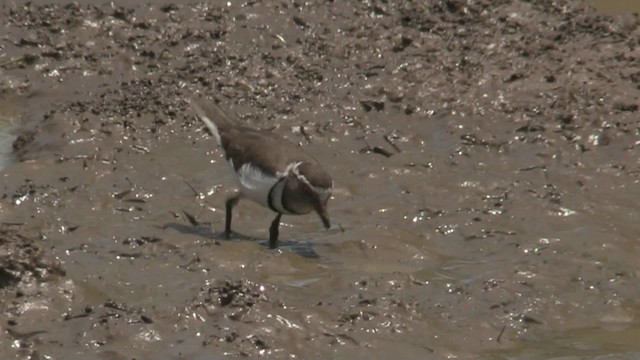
{"points": [[304, 249]]}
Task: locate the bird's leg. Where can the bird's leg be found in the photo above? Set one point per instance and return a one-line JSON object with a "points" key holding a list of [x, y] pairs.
{"points": [[273, 232], [230, 204]]}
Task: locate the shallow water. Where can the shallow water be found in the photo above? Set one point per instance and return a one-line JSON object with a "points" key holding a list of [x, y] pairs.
{"points": [[485, 158], [9, 115], [616, 6], [615, 341]]}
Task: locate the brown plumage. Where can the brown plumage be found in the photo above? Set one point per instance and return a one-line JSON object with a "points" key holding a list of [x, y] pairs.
{"points": [[271, 170]]}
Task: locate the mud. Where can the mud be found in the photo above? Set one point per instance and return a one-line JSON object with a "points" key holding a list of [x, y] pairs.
{"points": [[485, 157]]}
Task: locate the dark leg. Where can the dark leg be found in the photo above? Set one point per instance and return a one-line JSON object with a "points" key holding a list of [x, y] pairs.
{"points": [[273, 232], [231, 203]]}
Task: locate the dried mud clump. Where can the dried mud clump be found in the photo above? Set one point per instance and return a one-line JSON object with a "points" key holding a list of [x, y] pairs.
{"points": [[235, 295], [21, 260], [231, 304], [378, 305]]}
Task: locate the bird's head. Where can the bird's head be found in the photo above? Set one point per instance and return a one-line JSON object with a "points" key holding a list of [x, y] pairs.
{"points": [[308, 189]]}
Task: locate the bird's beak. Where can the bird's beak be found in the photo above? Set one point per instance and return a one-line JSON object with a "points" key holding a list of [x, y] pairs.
{"points": [[322, 212]]}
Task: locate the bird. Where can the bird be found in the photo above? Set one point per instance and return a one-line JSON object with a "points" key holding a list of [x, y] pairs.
{"points": [[269, 169]]}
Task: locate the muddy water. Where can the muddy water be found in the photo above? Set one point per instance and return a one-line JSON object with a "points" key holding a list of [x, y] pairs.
{"points": [[485, 159], [9, 115], [617, 6]]}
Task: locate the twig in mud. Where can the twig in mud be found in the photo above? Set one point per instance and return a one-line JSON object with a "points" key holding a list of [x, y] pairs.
{"points": [[393, 145], [367, 147], [197, 194], [536, 167], [342, 337], [133, 186], [24, 335], [528, 130], [305, 134], [533, 167], [68, 317], [26, 58], [140, 148], [281, 38], [504, 327], [192, 219], [375, 149], [355, 124], [381, 151], [120, 195], [134, 255]]}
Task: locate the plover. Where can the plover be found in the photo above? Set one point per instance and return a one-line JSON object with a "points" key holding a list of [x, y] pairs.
{"points": [[269, 169]]}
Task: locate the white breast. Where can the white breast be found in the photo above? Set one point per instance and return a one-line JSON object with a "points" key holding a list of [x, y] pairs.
{"points": [[254, 183]]}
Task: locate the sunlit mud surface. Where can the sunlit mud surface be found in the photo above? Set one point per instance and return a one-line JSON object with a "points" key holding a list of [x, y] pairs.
{"points": [[486, 164]]}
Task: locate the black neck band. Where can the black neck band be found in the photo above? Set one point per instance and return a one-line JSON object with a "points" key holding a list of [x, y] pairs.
{"points": [[270, 197]]}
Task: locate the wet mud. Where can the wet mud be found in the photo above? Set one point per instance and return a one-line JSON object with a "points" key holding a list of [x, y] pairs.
{"points": [[485, 156]]}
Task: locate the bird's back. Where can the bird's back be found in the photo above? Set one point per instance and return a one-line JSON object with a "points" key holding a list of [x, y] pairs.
{"points": [[272, 152]]}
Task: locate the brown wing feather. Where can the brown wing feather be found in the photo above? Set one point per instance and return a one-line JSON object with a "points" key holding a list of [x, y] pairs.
{"points": [[264, 149]]}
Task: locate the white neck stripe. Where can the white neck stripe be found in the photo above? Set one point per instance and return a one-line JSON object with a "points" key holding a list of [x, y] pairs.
{"points": [[303, 178]]}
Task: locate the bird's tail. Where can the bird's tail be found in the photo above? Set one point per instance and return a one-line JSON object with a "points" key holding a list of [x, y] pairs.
{"points": [[216, 119]]}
